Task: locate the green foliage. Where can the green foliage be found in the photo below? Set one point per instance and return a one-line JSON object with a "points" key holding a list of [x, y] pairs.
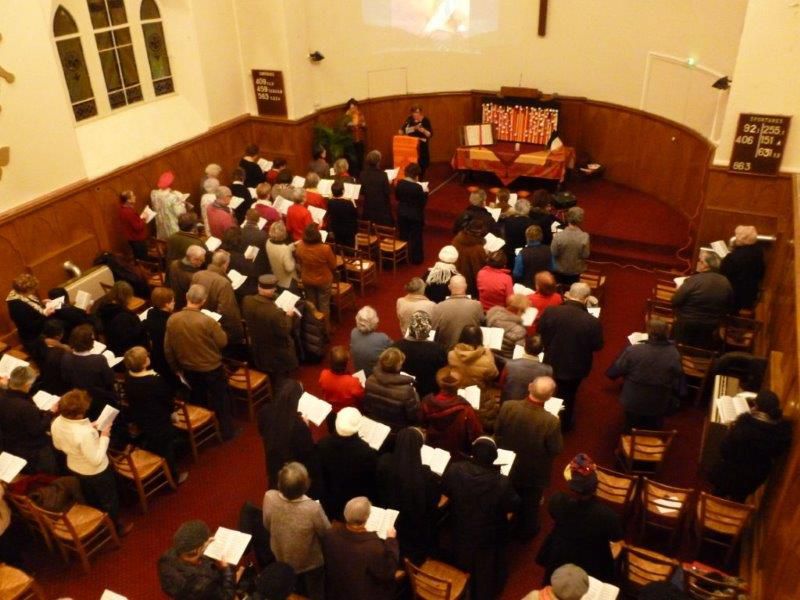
{"points": [[336, 140]]}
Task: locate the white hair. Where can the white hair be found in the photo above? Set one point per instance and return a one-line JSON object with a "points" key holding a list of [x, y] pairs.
{"points": [[366, 319]]}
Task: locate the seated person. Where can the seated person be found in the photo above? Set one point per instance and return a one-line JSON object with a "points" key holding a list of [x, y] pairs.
{"points": [[151, 403], [339, 387], [423, 357], [366, 344], [533, 258], [359, 564], [69, 314], [84, 370], [474, 360], [24, 426], [390, 396], [121, 326], [544, 296], [186, 574], [26, 309], [48, 355], [509, 319], [519, 372], [451, 422], [342, 217], [494, 281]]}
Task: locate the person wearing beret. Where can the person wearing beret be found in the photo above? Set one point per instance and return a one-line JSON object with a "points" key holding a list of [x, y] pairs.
{"points": [[169, 204]]}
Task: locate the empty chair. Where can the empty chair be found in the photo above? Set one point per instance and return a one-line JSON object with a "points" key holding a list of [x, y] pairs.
{"points": [[200, 425], [639, 567], [618, 490], [153, 271], [657, 309], [366, 240], [18, 585], [696, 364], [664, 507], [247, 385], [596, 280], [720, 522], [435, 580], [342, 294], [145, 471], [643, 451], [390, 248], [359, 268], [739, 334]]}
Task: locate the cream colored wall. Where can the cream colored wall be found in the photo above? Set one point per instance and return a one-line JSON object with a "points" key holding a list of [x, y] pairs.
{"points": [[767, 75]]}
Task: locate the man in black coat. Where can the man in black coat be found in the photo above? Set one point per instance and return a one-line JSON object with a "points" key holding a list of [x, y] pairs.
{"points": [[701, 302], [570, 336], [411, 201], [476, 211], [253, 236]]}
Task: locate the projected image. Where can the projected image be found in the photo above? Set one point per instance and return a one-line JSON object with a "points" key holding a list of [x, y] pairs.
{"points": [[437, 19]]}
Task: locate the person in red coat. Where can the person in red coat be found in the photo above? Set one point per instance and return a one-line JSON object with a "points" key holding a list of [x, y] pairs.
{"points": [[339, 387], [298, 216], [494, 281], [220, 215], [450, 421], [134, 227]]}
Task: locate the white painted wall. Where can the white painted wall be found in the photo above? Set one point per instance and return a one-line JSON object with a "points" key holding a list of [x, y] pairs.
{"points": [[766, 79]]}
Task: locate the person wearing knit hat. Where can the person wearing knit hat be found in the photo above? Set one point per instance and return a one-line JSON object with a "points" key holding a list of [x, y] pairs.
{"points": [[481, 498], [438, 276], [347, 464], [168, 204], [584, 527], [744, 267], [423, 357], [185, 572], [569, 582]]}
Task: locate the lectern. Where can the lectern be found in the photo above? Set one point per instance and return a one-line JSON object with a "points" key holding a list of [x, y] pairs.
{"points": [[404, 152]]}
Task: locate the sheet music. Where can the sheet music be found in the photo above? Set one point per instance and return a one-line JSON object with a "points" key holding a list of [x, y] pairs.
{"points": [[505, 458], [323, 234], [286, 301], [519, 352], [282, 205], [493, 337], [529, 316], [493, 243], [679, 281], [10, 466], [517, 251], [471, 394], [112, 360], [728, 408], [332, 172], [253, 193], [298, 182], [425, 185], [720, 248], [109, 595], [324, 188], [143, 314], [8, 363], [228, 545], [372, 432], [594, 311], [148, 214], [210, 313], [265, 164], [435, 458], [314, 409], [352, 191], [495, 212], [361, 376], [521, 289], [262, 222], [251, 252], [235, 202], [391, 174], [554, 406], [237, 279], [380, 520], [106, 418], [213, 243], [317, 214], [600, 591], [83, 300], [555, 226], [637, 337], [97, 348], [45, 400], [55, 303]]}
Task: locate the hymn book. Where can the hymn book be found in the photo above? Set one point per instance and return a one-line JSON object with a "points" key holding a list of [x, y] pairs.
{"points": [[213, 243], [55, 303], [143, 315], [493, 337], [298, 182], [554, 406], [97, 348], [471, 394], [228, 545], [282, 205], [251, 252], [637, 337], [594, 311], [495, 212], [83, 300], [505, 458], [148, 214], [521, 289], [8, 363], [265, 164], [317, 214], [555, 227], [106, 418], [435, 458], [237, 279], [109, 595], [235, 202], [112, 360], [361, 376], [512, 199], [728, 408], [679, 281], [720, 248], [372, 432], [45, 400], [253, 193], [324, 188], [10, 466], [352, 191], [286, 301], [392, 174], [529, 316], [314, 409], [323, 234], [477, 135], [424, 185], [600, 591], [380, 520], [493, 243], [210, 313]]}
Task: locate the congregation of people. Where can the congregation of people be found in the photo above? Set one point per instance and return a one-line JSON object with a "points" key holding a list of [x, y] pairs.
{"points": [[411, 374]]}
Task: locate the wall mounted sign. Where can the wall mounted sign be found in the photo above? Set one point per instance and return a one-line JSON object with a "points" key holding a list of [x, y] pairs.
{"points": [[759, 144], [270, 92], [5, 151]]}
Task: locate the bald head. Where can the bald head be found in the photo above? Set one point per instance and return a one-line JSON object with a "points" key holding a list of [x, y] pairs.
{"points": [[221, 259], [457, 285], [579, 292], [542, 388]]}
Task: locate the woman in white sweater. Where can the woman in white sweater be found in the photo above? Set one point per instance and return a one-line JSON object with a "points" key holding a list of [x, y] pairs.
{"points": [[281, 257], [86, 449]]}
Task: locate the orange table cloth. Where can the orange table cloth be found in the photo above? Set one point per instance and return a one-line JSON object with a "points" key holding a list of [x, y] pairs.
{"points": [[508, 164]]}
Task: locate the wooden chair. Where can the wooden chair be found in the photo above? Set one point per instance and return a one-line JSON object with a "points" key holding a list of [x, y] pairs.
{"points": [[18, 585], [359, 268], [739, 334], [596, 280], [147, 472], [82, 530], [664, 290], [696, 364], [664, 507], [390, 248], [342, 295], [200, 425], [720, 522], [657, 309], [152, 269], [24, 508], [640, 567], [157, 251], [618, 490], [247, 385], [643, 451], [366, 240], [702, 587], [436, 580]]}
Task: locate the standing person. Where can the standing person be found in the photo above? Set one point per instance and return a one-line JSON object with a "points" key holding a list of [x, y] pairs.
{"points": [[122, 327], [570, 248], [455, 313], [474, 360], [471, 253], [390, 397], [570, 582], [84, 370], [414, 301], [253, 236], [48, 356], [181, 272], [744, 267], [253, 175], [342, 217], [193, 345], [476, 211], [544, 296], [376, 190], [570, 336], [155, 324], [525, 427], [341, 171], [423, 357], [419, 126], [311, 191], [411, 201], [481, 502], [319, 164], [541, 216], [366, 343], [270, 331], [518, 373], [239, 190], [210, 187], [653, 378], [169, 204], [451, 422], [338, 386], [296, 525], [317, 264], [534, 258], [359, 564], [515, 224], [494, 281], [357, 126], [134, 228], [26, 309], [584, 526], [437, 278], [263, 204], [411, 488], [86, 449], [220, 296], [179, 242], [220, 215], [298, 217], [509, 319], [280, 252]]}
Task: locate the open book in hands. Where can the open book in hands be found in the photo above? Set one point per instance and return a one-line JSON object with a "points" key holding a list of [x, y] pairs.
{"points": [[228, 545], [381, 520]]}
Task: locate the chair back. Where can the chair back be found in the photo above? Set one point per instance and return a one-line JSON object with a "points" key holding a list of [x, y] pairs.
{"points": [[722, 516], [641, 567], [123, 464], [665, 507], [25, 507], [662, 310], [616, 489], [237, 372], [427, 586], [695, 362], [664, 289], [702, 587], [644, 450], [57, 523], [596, 280], [385, 233], [740, 333]]}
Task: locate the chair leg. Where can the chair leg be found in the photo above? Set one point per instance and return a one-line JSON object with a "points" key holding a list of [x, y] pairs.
{"points": [[112, 532], [192, 445], [142, 496], [168, 475]]}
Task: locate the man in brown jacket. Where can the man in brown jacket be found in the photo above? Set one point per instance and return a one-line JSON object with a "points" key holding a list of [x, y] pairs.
{"points": [[193, 346], [525, 427], [456, 312], [221, 297], [181, 270]]}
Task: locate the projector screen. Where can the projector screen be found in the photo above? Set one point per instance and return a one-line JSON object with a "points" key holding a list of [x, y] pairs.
{"points": [[433, 19]]}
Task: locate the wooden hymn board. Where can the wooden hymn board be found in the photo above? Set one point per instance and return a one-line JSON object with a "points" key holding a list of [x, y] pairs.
{"points": [[270, 93], [759, 144]]}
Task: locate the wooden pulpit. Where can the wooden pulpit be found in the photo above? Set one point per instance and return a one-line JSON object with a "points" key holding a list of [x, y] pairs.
{"points": [[404, 152]]}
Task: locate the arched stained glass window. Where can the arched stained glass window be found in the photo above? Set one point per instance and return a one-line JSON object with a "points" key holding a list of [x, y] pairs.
{"points": [[156, 48], [76, 75]]}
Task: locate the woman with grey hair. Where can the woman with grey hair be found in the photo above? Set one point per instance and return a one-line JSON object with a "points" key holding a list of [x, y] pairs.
{"points": [[423, 357], [570, 248], [376, 191], [366, 344], [515, 222], [744, 267], [280, 252], [413, 301]]}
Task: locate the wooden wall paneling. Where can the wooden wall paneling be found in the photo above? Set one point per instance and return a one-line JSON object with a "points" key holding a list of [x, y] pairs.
{"points": [[747, 193], [570, 119], [13, 264], [611, 137]]}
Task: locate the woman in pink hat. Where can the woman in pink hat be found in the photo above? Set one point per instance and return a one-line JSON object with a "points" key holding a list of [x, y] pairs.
{"points": [[169, 204]]}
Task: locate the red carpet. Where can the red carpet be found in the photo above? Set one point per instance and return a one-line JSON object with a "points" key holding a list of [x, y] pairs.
{"points": [[228, 475]]}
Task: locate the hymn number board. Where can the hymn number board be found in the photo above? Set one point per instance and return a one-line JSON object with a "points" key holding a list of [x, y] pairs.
{"points": [[759, 144], [270, 93]]}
